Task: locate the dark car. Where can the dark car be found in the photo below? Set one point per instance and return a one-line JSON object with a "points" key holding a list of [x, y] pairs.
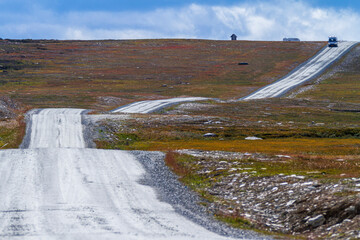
{"points": [[333, 42]]}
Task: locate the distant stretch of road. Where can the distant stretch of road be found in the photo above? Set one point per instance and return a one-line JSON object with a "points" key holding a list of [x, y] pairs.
{"points": [[56, 128], [154, 105], [58, 189], [305, 72]]}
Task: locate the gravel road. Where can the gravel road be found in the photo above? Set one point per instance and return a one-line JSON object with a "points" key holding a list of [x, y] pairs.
{"points": [[58, 189], [154, 105], [305, 72]]}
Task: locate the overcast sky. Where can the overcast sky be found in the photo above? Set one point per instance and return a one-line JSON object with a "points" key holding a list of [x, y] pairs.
{"points": [[118, 19]]}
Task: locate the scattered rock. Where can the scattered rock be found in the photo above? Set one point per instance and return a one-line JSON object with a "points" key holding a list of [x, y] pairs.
{"points": [[253, 138], [351, 210], [291, 202], [186, 107], [210, 135], [316, 221], [223, 155], [281, 203], [7, 108], [110, 101]]}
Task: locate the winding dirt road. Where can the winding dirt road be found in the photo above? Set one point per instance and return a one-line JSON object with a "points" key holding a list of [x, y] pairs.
{"points": [[58, 189], [307, 71]]}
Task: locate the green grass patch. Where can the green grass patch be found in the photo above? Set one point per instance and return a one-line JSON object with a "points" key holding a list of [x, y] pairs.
{"points": [[236, 222], [124, 141]]}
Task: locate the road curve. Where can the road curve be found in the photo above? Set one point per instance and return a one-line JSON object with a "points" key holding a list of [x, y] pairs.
{"points": [[305, 72], [58, 189], [154, 105]]}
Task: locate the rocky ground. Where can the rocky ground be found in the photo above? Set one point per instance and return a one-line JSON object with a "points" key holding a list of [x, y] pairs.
{"points": [[185, 202], [7, 108], [290, 204]]}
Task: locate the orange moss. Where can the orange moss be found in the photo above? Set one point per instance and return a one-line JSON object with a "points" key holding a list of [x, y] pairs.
{"points": [[270, 146]]}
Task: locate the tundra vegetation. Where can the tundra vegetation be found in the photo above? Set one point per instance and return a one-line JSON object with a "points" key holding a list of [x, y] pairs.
{"points": [[307, 136], [313, 135], [48, 73]]}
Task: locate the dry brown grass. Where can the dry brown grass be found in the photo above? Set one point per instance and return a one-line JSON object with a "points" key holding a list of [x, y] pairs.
{"points": [[12, 133], [174, 165], [9, 124]]}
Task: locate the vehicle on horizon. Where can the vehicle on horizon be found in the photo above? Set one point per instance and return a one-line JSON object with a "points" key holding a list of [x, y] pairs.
{"points": [[333, 42]]}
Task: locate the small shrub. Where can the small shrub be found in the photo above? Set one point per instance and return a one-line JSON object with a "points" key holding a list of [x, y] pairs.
{"points": [[174, 165]]}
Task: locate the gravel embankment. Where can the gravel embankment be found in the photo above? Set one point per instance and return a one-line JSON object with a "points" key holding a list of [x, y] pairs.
{"points": [[184, 201]]}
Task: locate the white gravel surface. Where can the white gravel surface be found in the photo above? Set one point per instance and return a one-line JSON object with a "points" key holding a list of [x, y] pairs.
{"points": [[154, 105], [305, 72], [84, 194], [57, 128], [57, 189]]}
